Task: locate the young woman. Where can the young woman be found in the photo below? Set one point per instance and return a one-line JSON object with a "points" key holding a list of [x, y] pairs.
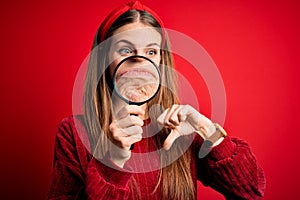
{"points": [[93, 154]]}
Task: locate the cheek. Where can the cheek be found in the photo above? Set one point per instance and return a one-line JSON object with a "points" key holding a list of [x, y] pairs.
{"points": [[114, 59], [112, 67], [157, 60]]}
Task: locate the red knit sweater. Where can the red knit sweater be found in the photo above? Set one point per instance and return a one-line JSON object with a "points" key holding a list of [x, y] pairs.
{"points": [[229, 168]]}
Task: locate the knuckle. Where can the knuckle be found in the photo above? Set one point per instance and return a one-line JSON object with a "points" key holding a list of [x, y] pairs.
{"points": [[123, 145], [187, 106], [112, 127], [116, 135], [166, 121], [139, 130], [173, 118], [132, 118], [140, 136], [137, 137], [139, 122], [117, 138], [127, 109]]}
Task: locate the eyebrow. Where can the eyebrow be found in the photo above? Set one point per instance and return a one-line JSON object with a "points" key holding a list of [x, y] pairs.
{"points": [[131, 44], [153, 44]]}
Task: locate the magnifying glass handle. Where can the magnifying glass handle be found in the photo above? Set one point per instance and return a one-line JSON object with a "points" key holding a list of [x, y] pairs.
{"points": [[132, 147]]}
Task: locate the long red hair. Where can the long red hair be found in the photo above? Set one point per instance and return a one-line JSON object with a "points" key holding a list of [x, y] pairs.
{"points": [[175, 180]]}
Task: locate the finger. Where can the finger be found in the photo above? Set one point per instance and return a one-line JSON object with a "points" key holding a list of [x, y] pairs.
{"points": [[170, 139], [125, 137], [170, 112], [161, 118], [129, 109], [130, 120], [128, 141], [184, 112], [188, 111], [132, 130], [196, 119], [118, 132], [174, 118]]}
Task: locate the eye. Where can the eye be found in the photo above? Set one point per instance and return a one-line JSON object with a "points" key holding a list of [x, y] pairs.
{"points": [[125, 51], [152, 52]]}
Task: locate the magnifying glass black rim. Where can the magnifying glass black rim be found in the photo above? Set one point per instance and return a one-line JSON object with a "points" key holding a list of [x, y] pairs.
{"points": [[116, 88]]}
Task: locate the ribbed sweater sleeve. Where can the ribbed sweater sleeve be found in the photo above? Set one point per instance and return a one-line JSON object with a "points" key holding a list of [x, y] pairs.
{"points": [[232, 169], [68, 177], [76, 175]]}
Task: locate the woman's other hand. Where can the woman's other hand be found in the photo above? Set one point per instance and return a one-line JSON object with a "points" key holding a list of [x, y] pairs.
{"points": [[184, 120]]}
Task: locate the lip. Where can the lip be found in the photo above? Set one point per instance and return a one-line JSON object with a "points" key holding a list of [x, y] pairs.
{"points": [[138, 72]]}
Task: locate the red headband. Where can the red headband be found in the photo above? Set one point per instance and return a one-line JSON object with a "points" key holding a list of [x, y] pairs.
{"points": [[133, 5]]}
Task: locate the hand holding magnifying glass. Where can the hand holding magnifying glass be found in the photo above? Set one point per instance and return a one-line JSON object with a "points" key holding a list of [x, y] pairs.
{"points": [[136, 80]]}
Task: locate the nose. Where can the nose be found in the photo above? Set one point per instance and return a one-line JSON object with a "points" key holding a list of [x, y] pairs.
{"points": [[137, 58], [140, 52], [137, 61]]}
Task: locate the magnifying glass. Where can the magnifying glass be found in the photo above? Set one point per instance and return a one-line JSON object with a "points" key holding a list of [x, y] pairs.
{"points": [[136, 80]]}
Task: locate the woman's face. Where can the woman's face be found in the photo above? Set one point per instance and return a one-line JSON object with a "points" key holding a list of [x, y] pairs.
{"points": [[136, 77], [134, 39]]}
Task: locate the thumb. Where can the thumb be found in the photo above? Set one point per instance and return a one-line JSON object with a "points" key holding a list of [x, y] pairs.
{"points": [[170, 139]]}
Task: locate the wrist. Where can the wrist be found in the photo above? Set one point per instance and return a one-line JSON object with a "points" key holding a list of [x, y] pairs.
{"points": [[211, 130], [217, 137], [206, 131], [212, 141], [119, 163], [118, 159]]}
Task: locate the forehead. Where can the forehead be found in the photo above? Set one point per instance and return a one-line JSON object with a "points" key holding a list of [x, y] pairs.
{"points": [[138, 34]]}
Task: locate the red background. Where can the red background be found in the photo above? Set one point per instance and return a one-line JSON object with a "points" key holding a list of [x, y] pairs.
{"points": [[255, 44]]}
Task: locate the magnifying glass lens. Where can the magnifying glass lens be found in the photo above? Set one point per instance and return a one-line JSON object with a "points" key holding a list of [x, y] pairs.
{"points": [[136, 80]]}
